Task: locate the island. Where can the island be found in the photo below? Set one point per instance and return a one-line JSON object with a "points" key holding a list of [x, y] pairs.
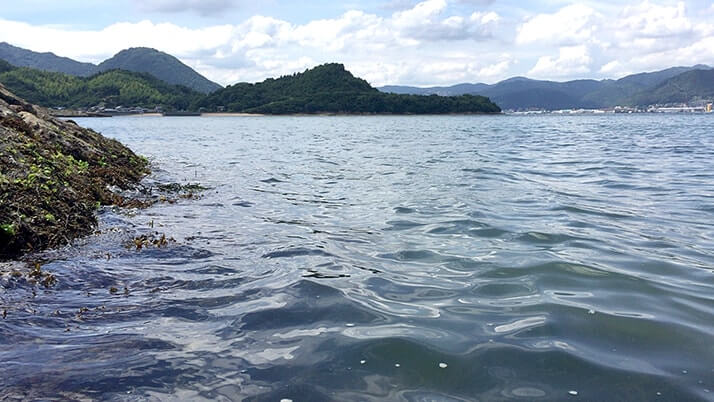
{"points": [[330, 88]]}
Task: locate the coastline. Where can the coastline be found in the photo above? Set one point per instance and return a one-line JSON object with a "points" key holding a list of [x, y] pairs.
{"points": [[239, 114]]}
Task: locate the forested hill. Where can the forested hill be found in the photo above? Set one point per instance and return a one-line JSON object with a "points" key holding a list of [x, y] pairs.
{"points": [[161, 65], [330, 88], [5, 66], [20, 57], [139, 60], [111, 88], [686, 87]]}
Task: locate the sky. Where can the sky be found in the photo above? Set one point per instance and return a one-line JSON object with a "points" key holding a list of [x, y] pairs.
{"points": [[397, 42]]}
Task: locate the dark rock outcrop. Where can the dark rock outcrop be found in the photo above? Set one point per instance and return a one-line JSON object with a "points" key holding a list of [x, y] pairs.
{"points": [[54, 174]]}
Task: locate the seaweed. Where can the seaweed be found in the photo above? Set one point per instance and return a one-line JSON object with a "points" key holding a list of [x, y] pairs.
{"points": [[53, 177]]}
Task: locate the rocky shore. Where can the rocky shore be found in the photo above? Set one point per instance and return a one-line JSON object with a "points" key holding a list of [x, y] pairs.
{"points": [[54, 175]]}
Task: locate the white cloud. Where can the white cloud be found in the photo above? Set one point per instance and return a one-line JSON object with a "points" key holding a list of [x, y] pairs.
{"points": [[653, 21], [421, 43], [613, 67], [571, 61], [97, 45], [570, 25], [264, 46], [615, 42], [496, 70], [425, 22]]}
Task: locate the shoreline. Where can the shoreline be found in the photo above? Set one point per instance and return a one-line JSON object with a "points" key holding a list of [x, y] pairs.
{"points": [[239, 114]]}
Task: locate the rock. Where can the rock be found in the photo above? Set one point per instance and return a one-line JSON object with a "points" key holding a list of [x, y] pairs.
{"points": [[53, 176]]}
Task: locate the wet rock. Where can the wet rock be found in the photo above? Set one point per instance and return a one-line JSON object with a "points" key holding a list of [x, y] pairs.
{"points": [[53, 176]]}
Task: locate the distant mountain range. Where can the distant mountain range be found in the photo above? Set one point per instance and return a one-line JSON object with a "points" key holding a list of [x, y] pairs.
{"points": [[141, 60], [677, 84], [673, 85]]}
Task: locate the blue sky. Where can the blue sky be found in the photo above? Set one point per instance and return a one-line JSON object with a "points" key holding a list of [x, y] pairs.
{"points": [[409, 42]]}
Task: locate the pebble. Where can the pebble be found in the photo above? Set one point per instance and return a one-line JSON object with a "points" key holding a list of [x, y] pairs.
{"points": [[443, 365]]}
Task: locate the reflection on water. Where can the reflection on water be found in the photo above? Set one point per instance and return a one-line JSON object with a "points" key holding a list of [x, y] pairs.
{"points": [[403, 258]]}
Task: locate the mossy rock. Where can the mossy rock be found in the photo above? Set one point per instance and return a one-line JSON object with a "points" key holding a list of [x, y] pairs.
{"points": [[54, 174]]}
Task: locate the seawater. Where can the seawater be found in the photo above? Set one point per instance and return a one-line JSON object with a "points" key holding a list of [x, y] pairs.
{"points": [[388, 258]]}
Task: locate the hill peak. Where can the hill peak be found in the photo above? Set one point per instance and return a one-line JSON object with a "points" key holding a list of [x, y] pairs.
{"points": [[161, 65], [324, 78]]}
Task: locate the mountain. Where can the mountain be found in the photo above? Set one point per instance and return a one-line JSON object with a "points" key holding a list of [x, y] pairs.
{"points": [[330, 88], [161, 65], [519, 93], [623, 91], [44, 61], [654, 78], [459, 89], [686, 87], [113, 88], [5, 66], [141, 60]]}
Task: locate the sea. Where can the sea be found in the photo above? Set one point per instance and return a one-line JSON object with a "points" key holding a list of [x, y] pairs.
{"points": [[375, 258]]}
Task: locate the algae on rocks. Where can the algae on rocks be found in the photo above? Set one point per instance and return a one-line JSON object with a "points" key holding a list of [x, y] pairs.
{"points": [[54, 174]]}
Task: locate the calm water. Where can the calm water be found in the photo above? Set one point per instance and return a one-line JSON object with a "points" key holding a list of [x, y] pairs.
{"points": [[389, 258]]}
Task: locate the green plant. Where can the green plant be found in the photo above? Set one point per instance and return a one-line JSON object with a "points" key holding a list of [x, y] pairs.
{"points": [[7, 230]]}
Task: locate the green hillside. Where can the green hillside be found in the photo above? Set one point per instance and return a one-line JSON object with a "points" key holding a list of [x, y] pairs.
{"points": [[5, 66], [330, 88], [161, 65], [112, 88], [686, 87]]}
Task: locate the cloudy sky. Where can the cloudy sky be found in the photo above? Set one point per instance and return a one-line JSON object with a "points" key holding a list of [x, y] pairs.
{"points": [[408, 42]]}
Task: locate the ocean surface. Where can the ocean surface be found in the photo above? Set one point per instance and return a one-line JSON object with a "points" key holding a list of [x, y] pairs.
{"points": [[388, 258]]}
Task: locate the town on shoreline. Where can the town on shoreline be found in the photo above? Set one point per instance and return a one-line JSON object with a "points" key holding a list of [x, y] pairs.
{"points": [[697, 108]]}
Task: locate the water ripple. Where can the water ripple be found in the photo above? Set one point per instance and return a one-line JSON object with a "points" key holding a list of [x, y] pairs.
{"points": [[387, 258]]}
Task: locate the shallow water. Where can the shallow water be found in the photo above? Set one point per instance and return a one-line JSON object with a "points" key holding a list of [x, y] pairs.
{"points": [[400, 258]]}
